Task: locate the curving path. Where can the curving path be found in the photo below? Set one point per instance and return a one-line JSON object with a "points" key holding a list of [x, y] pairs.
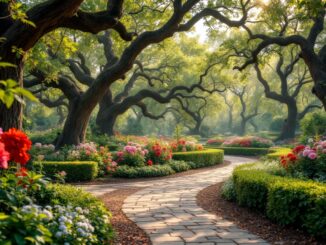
{"points": [[167, 211]]}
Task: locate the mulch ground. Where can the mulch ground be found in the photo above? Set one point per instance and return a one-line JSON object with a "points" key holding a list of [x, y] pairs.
{"points": [[210, 199], [127, 232]]}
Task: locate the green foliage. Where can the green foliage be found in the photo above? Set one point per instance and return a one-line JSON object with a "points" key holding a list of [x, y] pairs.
{"points": [[243, 151], [313, 125], [44, 137], [285, 200], [276, 124], [306, 168], [75, 171], [179, 166], [251, 188], [228, 190], [31, 211], [277, 152], [11, 90], [206, 157], [18, 191], [143, 172]]}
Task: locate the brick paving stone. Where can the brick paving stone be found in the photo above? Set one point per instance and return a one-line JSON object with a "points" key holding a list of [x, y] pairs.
{"points": [[166, 209]]}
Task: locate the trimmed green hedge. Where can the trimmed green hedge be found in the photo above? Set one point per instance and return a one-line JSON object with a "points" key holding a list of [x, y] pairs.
{"points": [[276, 153], [207, 157], [76, 171], [243, 151], [284, 200], [143, 172]]}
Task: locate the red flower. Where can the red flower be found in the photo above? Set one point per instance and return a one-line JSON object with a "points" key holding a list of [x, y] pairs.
{"points": [[22, 172], [298, 149], [17, 144], [4, 156], [149, 162]]}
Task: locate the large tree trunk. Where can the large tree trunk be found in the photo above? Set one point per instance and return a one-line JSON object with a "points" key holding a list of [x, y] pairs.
{"points": [[290, 124], [12, 117], [242, 129], [196, 129], [74, 130], [105, 122], [230, 121]]}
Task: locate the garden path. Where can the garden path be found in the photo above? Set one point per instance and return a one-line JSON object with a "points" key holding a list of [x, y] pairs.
{"points": [[167, 211]]}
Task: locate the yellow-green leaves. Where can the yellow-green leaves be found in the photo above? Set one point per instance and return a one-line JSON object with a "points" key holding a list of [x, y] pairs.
{"points": [[11, 91]]}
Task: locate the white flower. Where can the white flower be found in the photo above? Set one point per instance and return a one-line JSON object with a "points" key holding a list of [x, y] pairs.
{"points": [[62, 227], [58, 234]]}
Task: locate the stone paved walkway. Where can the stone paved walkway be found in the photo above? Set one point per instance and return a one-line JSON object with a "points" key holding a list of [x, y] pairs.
{"points": [[167, 211]]}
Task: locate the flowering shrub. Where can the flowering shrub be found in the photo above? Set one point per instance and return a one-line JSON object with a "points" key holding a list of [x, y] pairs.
{"points": [[14, 147], [183, 145], [158, 153], [216, 142], [132, 155], [248, 141], [307, 161]]}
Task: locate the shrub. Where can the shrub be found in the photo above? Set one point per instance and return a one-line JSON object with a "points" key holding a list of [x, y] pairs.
{"points": [[44, 137], [145, 171], [75, 171], [313, 124], [179, 166], [251, 188], [159, 153], [276, 124], [132, 155], [207, 157], [228, 190], [306, 161], [244, 151]]}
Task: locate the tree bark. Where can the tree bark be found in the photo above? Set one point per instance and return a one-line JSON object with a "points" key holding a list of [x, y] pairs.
{"points": [[290, 124], [12, 117]]}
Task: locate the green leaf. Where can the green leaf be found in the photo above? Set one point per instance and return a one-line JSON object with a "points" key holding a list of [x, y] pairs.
{"points": [[26, 93], [6, 64]]}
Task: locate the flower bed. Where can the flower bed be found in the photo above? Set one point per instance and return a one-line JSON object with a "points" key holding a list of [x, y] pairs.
{"points": [[306, 161], [248, 141], [283, 199], [33, 211], [87, 152], [207, 157], [73, 171], [215, 142], [184, 145]]}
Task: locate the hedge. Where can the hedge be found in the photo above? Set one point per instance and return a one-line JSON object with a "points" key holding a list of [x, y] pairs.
{"points": [[143, 172], [284, 200], [243, 151], [276, 153], [207, 157], [76, 171]]}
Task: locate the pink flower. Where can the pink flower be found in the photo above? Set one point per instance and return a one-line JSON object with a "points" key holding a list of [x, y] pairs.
{"points": [[119, 153], [312, 155], [114, 164], [4, 156], [305, 152]]}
